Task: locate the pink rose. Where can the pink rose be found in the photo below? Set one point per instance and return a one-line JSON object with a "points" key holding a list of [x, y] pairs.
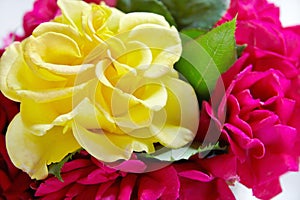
{"points": [[43, 11], [261, 102], [269, 44], [257, 125], [260, 10], [258, 24]]}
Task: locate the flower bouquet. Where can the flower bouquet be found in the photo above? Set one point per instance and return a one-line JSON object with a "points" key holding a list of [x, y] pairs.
{"points": [[149, 99]]}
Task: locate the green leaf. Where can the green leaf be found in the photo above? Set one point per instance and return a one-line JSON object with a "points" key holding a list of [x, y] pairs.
{"points": [[240, 49], [154, 6], [206, 57], [55, 168], [184, 153], [196, 13]]}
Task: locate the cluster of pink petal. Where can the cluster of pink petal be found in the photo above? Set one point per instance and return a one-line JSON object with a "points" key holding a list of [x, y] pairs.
{"points": [[14, 184], [87, 178], [43, 11], [261, 126]]}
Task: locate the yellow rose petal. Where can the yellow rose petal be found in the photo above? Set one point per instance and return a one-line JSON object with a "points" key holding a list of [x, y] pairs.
{"points": [[53, 94], [72, 12], [38, 117], [187, 107], [153, 95], [99, 145], [10, 57], [55, 27], [137, 144], [175, 136], [87, 115], [164, 52], [17, 79], [182, 116], [61, 50], [131, 20], [136, 55], [32, 153]]}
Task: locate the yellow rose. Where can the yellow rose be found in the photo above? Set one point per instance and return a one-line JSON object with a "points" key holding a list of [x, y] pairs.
{"points": [[99, 79]]}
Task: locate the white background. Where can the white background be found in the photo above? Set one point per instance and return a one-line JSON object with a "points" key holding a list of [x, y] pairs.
{"points": [[11, 12]]}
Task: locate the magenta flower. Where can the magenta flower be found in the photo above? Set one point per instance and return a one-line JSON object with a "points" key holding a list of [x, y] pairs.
{"points": [[43, 11], [88, 178], [257, 23], [85, 177], [14, 184], [261, 101], [256, 127]]}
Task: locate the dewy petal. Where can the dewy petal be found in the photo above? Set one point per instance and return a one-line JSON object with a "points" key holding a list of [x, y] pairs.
{"points": [[131, 20], [99, 145], [33, 153]]}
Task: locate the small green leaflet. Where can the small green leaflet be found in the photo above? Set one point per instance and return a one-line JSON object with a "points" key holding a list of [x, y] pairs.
{"points": [[196, 13], [240, 49], [55, 168], [206, 57], [184, 153], [154, 6]]}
